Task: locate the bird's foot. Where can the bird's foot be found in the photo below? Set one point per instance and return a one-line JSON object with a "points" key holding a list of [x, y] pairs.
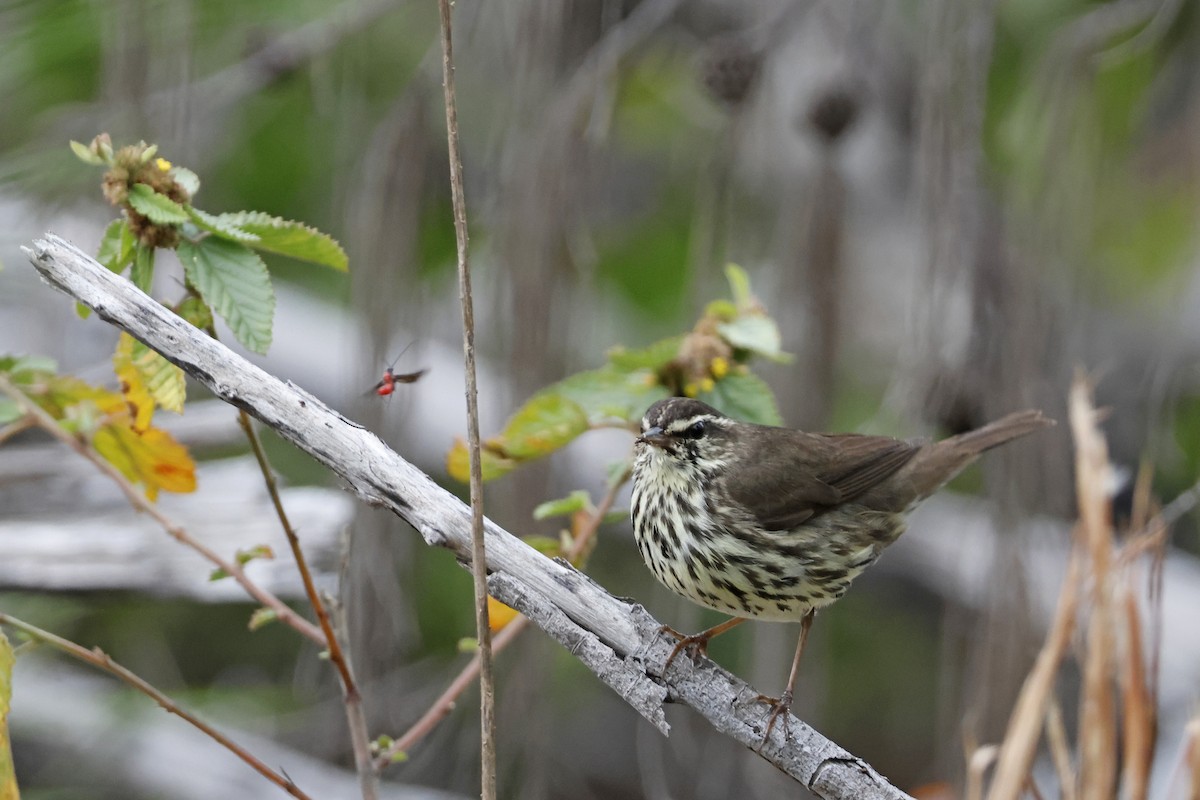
{"points": [[780, 707], [696, 644]]}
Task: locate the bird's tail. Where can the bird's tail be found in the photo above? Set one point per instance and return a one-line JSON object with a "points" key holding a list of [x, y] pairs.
{"points": [[997, 433], [934, 466]]}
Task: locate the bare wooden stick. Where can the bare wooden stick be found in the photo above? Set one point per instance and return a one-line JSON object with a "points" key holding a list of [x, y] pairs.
{"points": [[380, 476], [483, 630]]}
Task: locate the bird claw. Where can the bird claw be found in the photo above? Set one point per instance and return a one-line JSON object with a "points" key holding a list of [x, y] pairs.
{"points": [[780, 707], [696, 644]]}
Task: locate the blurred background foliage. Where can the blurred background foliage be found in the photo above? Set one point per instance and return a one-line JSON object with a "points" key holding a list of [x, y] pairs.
{"points": [[947, 206]]}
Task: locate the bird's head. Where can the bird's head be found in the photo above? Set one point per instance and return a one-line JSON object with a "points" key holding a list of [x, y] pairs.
{"points": [[684, 429]]}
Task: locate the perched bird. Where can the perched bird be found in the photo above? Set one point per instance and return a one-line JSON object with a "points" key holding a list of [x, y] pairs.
{"points": [[769, 523]]}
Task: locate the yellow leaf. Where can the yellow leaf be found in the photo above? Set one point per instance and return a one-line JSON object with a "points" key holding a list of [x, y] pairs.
{"points": [[8, 777], [133, 386], [152, 458], [146, 379], [499, 615], [494, 465]]}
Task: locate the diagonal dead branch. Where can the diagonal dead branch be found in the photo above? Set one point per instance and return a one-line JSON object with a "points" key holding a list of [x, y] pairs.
{"points": [[382, 477]]}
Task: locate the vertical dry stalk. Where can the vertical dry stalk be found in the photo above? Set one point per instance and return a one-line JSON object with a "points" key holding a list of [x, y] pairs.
{"points": [[1060, 750], [1021, 738], [1192, 759], [1138, 705], [487, 700], [1097, 718]]}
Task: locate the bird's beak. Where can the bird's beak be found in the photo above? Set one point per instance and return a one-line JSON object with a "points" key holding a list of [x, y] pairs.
{"points": [[655, 436]]}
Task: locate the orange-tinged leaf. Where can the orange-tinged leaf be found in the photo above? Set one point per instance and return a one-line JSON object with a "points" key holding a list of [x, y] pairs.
{"points": [[151, 458], [494, 465], [133, 386], [499, 615]]}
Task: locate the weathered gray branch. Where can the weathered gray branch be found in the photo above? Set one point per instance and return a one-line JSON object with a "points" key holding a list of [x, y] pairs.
{"points": [[620, 642]]}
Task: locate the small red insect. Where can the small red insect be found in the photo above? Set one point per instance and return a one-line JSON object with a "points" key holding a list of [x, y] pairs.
{"points": [[387, 384]]}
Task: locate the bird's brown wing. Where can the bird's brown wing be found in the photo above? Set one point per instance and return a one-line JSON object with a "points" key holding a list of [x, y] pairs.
{"points": [[814, 473]]}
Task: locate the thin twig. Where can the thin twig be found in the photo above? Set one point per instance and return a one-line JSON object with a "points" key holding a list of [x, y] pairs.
{"points": [[17, 426], [444, 704], [487, 683], [283, 612], [360, 739], [98, 658]]}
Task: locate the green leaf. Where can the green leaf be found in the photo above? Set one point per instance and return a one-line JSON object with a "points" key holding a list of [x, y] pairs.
{"points": [[609, 395], [82, 311], [263, 551], [219, 226], [262, 616], [541, 426], [187, 179], [757, 333], [196, 311], [468, 644], [142, 273], [116, 246], [746, 397], [233, 281], [85, 154], [9, 411], [546, 545], [654, 357], [288, 238], [577, 500], [739, 285], [158, 208], [218, 574], [24, 368]]}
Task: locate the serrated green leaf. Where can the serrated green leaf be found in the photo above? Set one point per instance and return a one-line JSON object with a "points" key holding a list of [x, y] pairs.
{"points": [[142, 273], [577, 500], [223, 228], [187, 179], [233, 281], [654, 357], [289, 238], [116, 246], [158, 208], [757, 333], [262, 616], [85, 154], [744, 396]]}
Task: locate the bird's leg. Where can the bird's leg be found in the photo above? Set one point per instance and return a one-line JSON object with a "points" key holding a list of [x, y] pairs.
{"points": [[781, 706], [697, 642]]}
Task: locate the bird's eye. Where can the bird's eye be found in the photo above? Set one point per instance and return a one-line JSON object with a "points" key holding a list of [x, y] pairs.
{"points": [[695, 430]]}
